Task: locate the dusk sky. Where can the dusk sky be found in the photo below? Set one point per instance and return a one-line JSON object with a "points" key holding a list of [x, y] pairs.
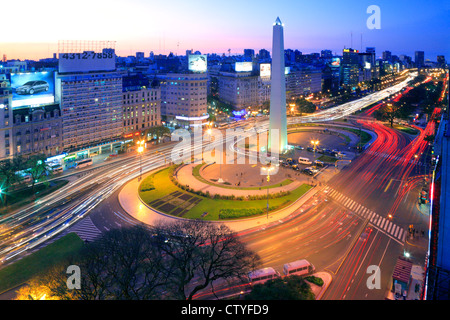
{"points": [[33, 30]]}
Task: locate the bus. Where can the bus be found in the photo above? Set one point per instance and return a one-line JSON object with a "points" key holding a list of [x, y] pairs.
{"points": [[84, 163], [263, 275], [56, 168], [299, 267], [304, 161]]}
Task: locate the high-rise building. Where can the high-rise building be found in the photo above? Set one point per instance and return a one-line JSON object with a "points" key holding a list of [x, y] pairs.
{"points": [[326, 54], [419, 59], [141, 104], [37, 130], [264, 54], [249, 53], [183, 98], [278, 121], [90, 95], [441, 61], [239, 89], [387, 56], [6, 122], [350, 67]]}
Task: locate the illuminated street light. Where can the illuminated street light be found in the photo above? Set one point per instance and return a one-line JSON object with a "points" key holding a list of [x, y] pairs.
{"points": [[314, 143], [268, 170], [140, 150]]}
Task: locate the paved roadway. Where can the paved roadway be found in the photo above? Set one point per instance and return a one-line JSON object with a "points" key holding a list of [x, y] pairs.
{"points": [[322, 233]]}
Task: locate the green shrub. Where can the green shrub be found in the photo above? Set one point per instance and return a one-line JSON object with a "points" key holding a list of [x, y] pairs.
{"points": [[316, 280]]}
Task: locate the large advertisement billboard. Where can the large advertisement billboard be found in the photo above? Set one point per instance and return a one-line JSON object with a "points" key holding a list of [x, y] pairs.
{"points": [[243, 66], [264, 70], [197, 62], [87, 61], [34, 88], [336, 62]]}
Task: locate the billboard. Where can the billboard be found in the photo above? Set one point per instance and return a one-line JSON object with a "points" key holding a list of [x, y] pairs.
{"points": [[287, 70], [264, 70], [243, 66], [367, 65], [87, 61], [197, 63], [34, 88], [336, 62]]}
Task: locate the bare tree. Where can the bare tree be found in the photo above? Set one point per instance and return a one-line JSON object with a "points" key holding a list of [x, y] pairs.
{"points": [[202, 251]]}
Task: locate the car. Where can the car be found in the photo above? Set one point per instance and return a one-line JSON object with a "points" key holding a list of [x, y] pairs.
{"points": [[307, 171], [32, 87], [319, 163], [299, 147], [295, 167], [313, 169], [310, 149]]}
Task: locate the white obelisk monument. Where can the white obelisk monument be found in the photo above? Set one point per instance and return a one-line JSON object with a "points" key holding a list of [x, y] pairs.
{"points": [[277, 120]]}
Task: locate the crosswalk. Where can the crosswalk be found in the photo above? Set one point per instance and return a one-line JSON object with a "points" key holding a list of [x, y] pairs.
{"points": [[86, 230], [384, 225], [392, 157]]}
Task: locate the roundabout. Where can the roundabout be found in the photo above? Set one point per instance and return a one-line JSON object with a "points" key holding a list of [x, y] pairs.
{"points": [[233, 193]]}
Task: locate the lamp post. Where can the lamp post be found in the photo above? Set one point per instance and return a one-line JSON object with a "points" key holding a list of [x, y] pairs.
{"points": [[314, 143], [268, 170], [140, 150]]}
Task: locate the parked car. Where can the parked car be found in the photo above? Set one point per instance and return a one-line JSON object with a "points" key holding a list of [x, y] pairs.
{"points": [[32, 87], [299, 147], [319, 163]]}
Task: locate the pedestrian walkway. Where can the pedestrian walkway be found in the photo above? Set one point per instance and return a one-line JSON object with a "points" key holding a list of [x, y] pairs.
{"points": [[86, 230], [384, 225]]}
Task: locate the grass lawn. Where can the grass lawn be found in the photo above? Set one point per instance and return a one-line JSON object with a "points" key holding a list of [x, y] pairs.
{"points": [[164, 186], [407, 130], [325, 158], [196, 174], [364, 137], [23, 270]]}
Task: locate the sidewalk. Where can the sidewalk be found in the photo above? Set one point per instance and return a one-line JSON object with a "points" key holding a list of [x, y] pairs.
{"points": [[319, 291], [130, 202], [185, 177]]}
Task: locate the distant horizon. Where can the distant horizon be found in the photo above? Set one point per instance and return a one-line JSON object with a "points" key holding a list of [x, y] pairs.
{"points": [[123, 53]]}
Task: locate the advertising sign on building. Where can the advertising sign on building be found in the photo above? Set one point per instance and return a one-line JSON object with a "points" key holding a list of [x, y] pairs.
{"points": [[264, 70], [30, 89], [243, 67], [87, 61], [197, 63]]}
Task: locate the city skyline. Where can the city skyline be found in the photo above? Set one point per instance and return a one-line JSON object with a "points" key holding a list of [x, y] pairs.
{"points": [[210, 28]]}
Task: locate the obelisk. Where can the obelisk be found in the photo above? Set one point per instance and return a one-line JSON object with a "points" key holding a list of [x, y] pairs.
{"points": [[277, 120]]}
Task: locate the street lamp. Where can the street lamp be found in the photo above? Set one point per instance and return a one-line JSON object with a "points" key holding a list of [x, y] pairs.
{"points": [[268, 170], [314, 143], [140, 150]]}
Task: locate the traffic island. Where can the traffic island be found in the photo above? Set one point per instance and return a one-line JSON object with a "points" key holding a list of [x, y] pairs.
{"points": [[162, 192]]}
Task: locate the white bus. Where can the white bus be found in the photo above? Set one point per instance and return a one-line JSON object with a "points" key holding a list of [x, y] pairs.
{"points": [[299, 267], [263, 275], [56, 169], [84, 163], [304, 161]]}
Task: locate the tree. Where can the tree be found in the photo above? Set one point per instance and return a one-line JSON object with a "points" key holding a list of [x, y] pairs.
{"points": [[37, 168], [388, 112], [158, 131], [203, 252], [124, 264], [293, 287], [304, 106], [8, 176]]}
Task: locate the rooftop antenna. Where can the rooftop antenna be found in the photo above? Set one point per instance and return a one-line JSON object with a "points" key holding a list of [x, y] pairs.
{"points": [[229, 50], [351, 40]]}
